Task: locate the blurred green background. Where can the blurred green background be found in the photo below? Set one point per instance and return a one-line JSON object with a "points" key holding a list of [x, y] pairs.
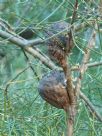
{"points": [[22, 111]]}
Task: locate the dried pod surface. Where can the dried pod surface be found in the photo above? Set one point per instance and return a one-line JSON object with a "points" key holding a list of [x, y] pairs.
{"points": [[57, 44], [52, 89]]}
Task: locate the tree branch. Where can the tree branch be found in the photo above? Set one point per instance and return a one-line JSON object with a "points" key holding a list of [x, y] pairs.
{"points": [[69, 87], [90, 105], [33, 51], [83, 66], [89, 65], [83, 69]]}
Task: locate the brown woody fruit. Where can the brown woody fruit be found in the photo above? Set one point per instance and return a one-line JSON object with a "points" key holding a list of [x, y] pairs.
{"points": [[52, 88], [57, 44]]}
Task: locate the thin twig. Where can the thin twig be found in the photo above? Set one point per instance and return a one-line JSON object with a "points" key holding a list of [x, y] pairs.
{"points": [[83, 66], [90, 105], [74, 12], [74, 15], [6, 100], [83, 69], [89, 65], [27, 58], [8, 84]]}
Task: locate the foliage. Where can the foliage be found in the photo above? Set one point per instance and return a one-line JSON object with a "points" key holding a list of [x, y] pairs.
{"points": [[22, 111]]}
